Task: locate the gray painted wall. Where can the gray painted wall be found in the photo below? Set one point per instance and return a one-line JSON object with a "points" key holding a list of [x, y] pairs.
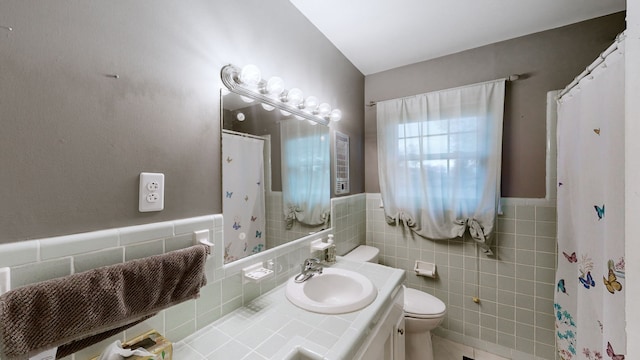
{"points": [[550, 60], [73, 140]]}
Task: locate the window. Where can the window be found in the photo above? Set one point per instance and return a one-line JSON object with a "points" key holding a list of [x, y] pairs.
{"points": [[448, 151], [305, 172], [439, 160], [305, 160]]}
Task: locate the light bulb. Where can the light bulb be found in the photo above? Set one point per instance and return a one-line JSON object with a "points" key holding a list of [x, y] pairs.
{"points": [[310, 103], [295, 97], [240, 116], [324, 109], [246, 99], [275, 86], [267, 107], [335, 115], [250, 75], [299, 117], [312, 122], [285, 113]]}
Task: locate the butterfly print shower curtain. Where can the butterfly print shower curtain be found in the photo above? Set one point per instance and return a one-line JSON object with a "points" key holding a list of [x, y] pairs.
{"points": [[590, 278], [243, 197]]}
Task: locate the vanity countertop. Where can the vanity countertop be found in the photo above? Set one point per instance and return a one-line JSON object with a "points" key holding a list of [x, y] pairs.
{"points": [[271, 327]]}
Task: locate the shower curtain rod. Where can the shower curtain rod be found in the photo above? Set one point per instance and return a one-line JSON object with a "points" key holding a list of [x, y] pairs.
{"points": [[513, 77], [231, 132], [601, 58]]}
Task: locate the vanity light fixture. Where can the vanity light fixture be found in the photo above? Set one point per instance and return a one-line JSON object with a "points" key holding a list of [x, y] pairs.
{"points": [[335, 115], [311, 104], [248, 83], [274, 87], [324, 109], [250, 75], [293, 97], [267, 107]]}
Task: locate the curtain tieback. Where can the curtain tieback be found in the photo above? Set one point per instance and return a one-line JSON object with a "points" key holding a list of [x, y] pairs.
{"points": [[326, 216], [294, 212], [477, 233], [402, 218]]}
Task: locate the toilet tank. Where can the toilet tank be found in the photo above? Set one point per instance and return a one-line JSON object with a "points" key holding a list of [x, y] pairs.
{"points": [[363, 253]]}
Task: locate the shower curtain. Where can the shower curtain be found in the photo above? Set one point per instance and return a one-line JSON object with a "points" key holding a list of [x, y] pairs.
{"points": [[590, 281], [243, 203]]}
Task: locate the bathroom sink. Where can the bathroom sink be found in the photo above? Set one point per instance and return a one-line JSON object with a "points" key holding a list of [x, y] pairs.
{"points": [[335, 291]]}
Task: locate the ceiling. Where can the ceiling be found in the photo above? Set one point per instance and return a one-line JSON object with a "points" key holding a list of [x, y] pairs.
{"points": [[378, 35]]}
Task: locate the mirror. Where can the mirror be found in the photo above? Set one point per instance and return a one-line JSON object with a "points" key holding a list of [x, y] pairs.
{"points": [[275, 176]]}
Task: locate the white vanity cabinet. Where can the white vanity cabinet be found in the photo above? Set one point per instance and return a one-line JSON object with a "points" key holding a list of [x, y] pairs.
{"points": [[398, 337], [386, 340]]}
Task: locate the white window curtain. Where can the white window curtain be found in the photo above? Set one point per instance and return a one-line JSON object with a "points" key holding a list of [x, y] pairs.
{"points": [[439, 157], [305, 172]]}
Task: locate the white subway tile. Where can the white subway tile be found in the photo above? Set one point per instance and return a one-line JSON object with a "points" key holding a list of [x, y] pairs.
{"points": [[187, 226], [57, 247], [40, 271], [19, 253], [141, 233], [97, 259]]}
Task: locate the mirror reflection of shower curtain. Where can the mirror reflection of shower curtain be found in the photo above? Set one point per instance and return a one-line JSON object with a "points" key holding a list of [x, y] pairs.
{"points": [[305, 173], [590, 278], [243, 198]]}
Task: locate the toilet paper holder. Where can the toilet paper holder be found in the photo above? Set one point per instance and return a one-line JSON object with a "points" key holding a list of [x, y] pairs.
{"points": [[426, 269]]}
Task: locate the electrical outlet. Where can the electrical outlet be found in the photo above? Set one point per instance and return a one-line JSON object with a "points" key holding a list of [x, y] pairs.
{"points": [[153, 186], [151, 195]]}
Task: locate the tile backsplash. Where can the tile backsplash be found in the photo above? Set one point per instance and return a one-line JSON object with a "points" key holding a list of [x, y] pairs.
{"points": [[349, 222], [514, 318], [42, 259]]}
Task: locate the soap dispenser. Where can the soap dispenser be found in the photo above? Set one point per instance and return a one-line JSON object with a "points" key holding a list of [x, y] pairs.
{"points": [[331, 250]]}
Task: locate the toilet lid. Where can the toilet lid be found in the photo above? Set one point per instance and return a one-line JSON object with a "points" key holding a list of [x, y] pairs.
{"points": [[419, 304], [363, 253]]}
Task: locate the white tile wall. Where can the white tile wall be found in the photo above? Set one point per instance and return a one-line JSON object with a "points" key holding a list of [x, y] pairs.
{"points": [[514, 320], [349, 221], [43, 259], [516, 287]]}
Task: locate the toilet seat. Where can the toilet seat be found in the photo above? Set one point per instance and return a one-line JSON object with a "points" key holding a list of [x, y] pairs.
{"points": [[420, 305]]}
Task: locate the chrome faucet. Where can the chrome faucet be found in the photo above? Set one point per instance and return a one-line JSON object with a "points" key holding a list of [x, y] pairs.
{"points": [[308, 268]]}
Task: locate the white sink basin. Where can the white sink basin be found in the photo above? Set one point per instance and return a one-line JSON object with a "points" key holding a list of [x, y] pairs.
{"points": [[335, 291]]}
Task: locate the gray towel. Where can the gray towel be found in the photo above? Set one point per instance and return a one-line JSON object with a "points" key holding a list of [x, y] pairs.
{"points": [[84, 308]]}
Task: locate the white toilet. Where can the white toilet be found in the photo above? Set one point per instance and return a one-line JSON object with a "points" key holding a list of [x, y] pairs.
{"points": [[422, 312]]}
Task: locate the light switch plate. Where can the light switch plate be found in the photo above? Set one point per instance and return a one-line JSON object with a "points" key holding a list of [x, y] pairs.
{"points": [[151, 194]]}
